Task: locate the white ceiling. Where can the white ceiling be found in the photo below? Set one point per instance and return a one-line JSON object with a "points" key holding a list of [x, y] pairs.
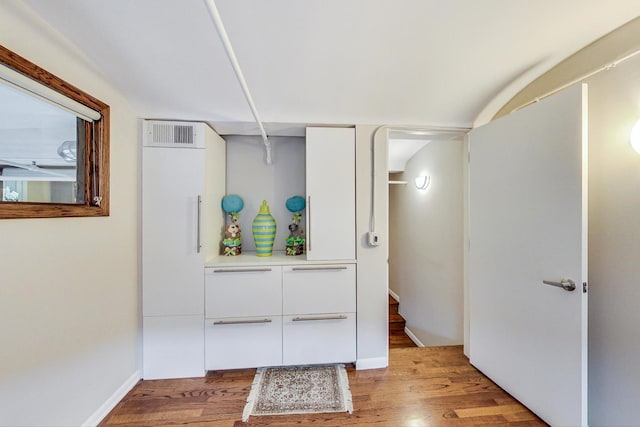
{"points": [[401, 150], [419, 62]]}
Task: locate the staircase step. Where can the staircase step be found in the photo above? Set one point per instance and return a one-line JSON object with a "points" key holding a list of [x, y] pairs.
{"points": [[396, 322], [395, 318], [397, 337], [393, 305]]}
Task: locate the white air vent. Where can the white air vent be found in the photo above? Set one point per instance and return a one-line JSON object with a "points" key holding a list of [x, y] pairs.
{"points": [[173, 134]]}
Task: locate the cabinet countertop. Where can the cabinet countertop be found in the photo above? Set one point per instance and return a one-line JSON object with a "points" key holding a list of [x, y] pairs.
{"points": [[278, 258]]}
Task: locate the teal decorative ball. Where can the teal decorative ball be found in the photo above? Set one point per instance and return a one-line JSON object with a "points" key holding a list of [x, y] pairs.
{"points": [[232, 203], [295, 204]]}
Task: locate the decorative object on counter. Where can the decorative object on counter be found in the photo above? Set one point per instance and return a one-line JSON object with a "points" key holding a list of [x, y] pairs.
{"points": [[264, 231], [232, 241], [295, 241]]}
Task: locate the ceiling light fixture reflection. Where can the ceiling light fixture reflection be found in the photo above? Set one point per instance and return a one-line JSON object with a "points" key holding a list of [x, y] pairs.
{"points": [[68, 151]]}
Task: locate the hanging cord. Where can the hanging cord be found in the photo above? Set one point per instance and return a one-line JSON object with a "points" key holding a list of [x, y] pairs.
{"points": [[96, 156]]}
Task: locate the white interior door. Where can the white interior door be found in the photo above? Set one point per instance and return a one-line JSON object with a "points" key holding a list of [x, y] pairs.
{"points": [[528, 224]]}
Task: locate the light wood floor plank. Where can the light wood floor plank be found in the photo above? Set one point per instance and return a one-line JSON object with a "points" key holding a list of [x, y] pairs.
{"points": [[422, 387]]}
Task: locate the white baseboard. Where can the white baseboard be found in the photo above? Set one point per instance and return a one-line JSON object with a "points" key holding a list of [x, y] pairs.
{"points": [[112, 401], [372, 363], [394, 295], [413, 337]]}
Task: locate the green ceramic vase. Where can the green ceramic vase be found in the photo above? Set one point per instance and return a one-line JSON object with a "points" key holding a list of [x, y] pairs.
{"points": [[264, 231]]}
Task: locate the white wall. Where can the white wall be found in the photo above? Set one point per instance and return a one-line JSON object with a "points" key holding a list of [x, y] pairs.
{"points": [[372, 268], [68, 286], [250, 177], [426, 244], [614, 248]]}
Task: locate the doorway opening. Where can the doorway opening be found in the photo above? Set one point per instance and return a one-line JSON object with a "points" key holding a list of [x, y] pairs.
{"points": [[426, 172]]}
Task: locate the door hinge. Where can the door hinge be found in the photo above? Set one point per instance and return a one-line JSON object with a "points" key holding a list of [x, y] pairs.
{"points": [[584, 287]]}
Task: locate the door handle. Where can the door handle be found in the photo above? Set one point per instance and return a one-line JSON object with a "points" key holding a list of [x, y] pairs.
{"points": [[309, 224], [566, 284], [306, 319], [241, 322], [240, 270], [198, 226]]}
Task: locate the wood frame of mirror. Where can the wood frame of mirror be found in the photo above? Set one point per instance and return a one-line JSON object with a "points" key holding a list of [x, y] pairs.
{"points": [[96, 167]]}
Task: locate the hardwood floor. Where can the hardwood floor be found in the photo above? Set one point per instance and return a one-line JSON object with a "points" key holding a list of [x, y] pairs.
{"points": [[421, 387]]}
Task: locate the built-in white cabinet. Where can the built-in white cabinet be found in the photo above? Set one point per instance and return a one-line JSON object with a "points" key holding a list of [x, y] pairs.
{"points": [[246, 342], [318, 288], [317, 339], [242, 311], [243, 317], [331, 193], [243, 291], [172, 346], [175, 156], [319, 314], [269, 314], [172, 183]]}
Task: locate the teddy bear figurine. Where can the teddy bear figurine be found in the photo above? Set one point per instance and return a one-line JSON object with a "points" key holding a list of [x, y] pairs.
{"points": [[232, 242], [233, 230], [294, 243]]}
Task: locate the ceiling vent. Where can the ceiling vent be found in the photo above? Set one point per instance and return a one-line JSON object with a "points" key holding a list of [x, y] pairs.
{"points": [[173, 134]]}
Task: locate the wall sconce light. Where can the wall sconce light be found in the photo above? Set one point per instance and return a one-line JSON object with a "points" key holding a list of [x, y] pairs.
{"points": [[422, 182], [635, 137]]}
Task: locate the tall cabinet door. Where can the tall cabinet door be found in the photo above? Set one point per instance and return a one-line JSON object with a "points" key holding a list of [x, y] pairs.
{"points": [[330, 166], [172, 262]]}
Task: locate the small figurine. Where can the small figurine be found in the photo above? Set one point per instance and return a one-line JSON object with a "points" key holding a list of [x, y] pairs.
{"points": [[295, 241], [233, 230], [232, 242]]}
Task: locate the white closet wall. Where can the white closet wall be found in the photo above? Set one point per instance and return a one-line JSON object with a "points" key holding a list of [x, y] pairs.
{"points": [[251, 178]]}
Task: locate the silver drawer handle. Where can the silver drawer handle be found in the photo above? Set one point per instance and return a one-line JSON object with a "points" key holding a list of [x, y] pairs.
{"points": [[566, 284], [239, 270], [241, 322], [309, 224], [320, 267], [305, 319], [198, 226]]}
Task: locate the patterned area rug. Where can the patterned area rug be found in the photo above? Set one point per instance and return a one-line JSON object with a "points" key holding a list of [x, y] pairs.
{"points": [[299, 390]]}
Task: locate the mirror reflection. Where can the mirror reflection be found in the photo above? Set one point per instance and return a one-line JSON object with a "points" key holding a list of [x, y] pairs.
{"points": [[38, 149]]}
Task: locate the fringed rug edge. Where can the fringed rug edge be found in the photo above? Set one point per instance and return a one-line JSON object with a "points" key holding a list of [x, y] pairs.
{"points": [[253, 394], [343, 382]]}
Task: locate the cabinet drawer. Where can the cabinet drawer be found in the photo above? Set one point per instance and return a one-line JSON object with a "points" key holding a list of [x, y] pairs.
{"points": [[243, 291], [234, 343], [313, 339], [329, 288]]}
